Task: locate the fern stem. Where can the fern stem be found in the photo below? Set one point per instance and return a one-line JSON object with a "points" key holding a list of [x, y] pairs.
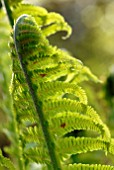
{"points": [[8, 11]]}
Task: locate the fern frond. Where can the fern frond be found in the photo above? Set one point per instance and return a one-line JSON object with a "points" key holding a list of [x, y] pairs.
{"points": [[85, 75], [47, 99], [51, 22], [66, 122], [73, 145], [33, 133], [87, 166], [56, 23], [66, 105], [38, 155], [111, 146], [57, 89], [5, 162]]}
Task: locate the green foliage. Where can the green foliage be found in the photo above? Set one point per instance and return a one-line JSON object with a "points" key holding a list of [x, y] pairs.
{"points": [[48, 86], [5, 162], [48, 102]]}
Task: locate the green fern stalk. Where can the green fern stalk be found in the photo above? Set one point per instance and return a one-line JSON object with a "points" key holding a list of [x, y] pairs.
{"points": [[8, 11]]}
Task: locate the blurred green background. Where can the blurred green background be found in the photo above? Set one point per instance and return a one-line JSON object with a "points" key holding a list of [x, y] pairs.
{"points": [[92, 41]]}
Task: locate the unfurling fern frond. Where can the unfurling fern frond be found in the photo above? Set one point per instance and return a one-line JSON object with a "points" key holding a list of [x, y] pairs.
{"points": [[51, 22], [48, 101]]}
